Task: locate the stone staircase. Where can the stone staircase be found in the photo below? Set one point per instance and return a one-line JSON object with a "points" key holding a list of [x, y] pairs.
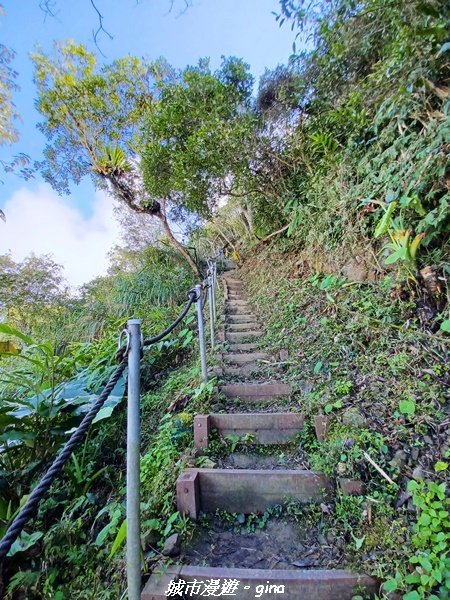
{"points": [[250, 491]]}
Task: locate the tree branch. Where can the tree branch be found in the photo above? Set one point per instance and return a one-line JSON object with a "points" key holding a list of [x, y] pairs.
{"points": [[269, 237], [100, 28]]}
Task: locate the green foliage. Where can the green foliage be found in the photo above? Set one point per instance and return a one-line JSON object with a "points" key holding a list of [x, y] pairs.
{"points": [[194, 133], [172, 434], [377, 105], [73, 547], [333, 406], [43, 396], [32, 292], [151, 285], [407, 407], [445, 325], [92, 114], [8, 85], [430, 575]]}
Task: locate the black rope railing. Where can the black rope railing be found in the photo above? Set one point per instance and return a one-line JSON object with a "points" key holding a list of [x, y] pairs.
{"points": [[192, 294], [31, 506]]}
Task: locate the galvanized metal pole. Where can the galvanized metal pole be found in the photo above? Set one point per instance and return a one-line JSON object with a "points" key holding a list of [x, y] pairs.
{"points": [[211, 308], [213, 288], [201, 332], [133, 461]]}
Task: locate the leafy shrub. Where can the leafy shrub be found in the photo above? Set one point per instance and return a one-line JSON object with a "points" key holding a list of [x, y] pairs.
{"points": [[430, 576]]}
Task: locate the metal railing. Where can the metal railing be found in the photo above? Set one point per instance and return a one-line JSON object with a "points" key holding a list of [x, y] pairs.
{"points": [[128, 355]]}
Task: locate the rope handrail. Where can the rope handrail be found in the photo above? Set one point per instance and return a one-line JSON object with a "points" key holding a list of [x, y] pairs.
{"points": [[32, 504], [30, 508], [192, 294]]}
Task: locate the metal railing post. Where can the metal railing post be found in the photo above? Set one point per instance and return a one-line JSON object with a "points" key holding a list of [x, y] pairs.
{"points": [[133, 461], [201, 332], [211, 308], [214, 283]]}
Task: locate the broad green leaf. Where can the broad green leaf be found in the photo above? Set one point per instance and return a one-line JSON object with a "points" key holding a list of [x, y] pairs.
{"points": [[390, 585], [412, 596], [15, 435], [407, 407], [113, 400], [401, 253], [24, 542], [413, 577], [440, 466], [8, 330], [385, 221], [103, 533], [120, 538], [445, 325], [318, 367]]}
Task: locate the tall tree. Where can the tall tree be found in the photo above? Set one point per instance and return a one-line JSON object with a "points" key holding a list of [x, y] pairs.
{"points": [[30, 291], [195, 135], [8, 85], [94, 119]]}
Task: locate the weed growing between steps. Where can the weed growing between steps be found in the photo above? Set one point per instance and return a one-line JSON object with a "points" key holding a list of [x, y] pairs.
{"points": [[242, 453], [358, 353], [284, 537], [241, 405], [169, 450]]}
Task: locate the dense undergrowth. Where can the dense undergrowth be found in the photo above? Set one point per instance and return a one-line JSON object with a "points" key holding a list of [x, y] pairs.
{"points": [[73, 549], [358, 354]]}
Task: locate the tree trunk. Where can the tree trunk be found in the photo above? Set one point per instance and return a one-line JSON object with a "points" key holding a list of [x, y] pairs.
{"points": [[123, 191], [173, 240], [248, 215]]}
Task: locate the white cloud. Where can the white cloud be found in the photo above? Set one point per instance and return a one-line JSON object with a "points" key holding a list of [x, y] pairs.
{"points": [[42, 222]]}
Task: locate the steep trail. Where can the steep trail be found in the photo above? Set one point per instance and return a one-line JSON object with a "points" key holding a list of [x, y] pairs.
{"points": [[271, 561]]}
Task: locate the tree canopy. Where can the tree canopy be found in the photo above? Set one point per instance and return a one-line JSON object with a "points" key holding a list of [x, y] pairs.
{"points": [[195, 133], [100, 120]]}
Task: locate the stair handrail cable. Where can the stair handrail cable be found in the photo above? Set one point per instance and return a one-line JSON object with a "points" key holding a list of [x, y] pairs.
{"points": [[31, 506]]}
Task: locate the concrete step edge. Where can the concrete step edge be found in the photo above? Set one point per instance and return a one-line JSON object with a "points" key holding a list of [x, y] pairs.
{"points": [[266, 428], [292, 584], [255, 389], [247, 490]]}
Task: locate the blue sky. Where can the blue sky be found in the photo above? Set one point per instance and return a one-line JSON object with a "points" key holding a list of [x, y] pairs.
{"points": [[212, 28]]}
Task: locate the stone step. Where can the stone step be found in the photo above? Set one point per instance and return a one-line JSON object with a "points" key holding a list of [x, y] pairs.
{"points": [[243, 358], [288, 584], [237, 310], [248, 347], [255, 391], [235, 287], [243, 336], [240, 306], [241, 318], [233, 327], [246, 491], [242, 371], [266, 428]]}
